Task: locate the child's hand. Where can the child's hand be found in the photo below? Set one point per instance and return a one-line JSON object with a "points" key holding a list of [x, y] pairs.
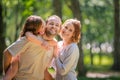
{"points": [[45, 45], [13, 69], [52, 43], [56, 53]]}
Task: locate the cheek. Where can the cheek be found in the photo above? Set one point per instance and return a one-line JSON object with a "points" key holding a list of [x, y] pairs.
{"points": [[71, 34]]}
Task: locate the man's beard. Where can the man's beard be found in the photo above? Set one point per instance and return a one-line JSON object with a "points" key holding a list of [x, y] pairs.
{"points": [[49, 34]]}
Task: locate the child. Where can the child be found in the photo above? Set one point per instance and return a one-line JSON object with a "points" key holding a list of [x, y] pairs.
{"points": [[33, 24]]}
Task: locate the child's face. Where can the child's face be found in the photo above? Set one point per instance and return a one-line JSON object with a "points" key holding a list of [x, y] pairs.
{"points": [[53, 26], [42, 29]]}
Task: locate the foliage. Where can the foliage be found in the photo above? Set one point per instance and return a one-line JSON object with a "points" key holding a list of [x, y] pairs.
{"points": [[97, 16], [97, 22]]}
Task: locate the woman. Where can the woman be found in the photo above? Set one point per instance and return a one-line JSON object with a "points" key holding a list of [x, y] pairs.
{"points": [[67, 55]]}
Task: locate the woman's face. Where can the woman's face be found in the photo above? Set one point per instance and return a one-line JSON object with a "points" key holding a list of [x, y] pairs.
{"points": [[67, 31]]}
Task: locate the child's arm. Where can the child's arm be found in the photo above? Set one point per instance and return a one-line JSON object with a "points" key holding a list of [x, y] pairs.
{"points": [[33, 38], [56, 51], [10, 74], [52, 43], [36, 40], [48, 76]]}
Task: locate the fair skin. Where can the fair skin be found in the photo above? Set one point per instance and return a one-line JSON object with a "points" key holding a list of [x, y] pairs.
{"points": [[52, 29], [66, 33], [13, 69]]}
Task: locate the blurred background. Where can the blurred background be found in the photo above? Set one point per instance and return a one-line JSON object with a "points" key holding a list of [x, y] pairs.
{"points": [[100, 42]]}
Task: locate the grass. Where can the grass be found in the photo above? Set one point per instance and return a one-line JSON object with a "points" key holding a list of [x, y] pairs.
{"points": [[105, 60], [99, 66]]}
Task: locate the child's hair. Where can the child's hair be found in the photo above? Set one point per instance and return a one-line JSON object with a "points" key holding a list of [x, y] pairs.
{"points": [[77, 26], [33, 23]]}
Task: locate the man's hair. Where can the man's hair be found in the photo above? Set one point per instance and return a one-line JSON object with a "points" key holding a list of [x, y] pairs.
{"points": [[55, 16]]}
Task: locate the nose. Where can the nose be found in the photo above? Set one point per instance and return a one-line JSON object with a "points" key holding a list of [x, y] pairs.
{"points": [[53, 26], [66, 30]]}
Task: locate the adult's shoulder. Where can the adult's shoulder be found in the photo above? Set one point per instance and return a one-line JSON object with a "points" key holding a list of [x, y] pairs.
{"points": [[73, 47], [17, 46]]}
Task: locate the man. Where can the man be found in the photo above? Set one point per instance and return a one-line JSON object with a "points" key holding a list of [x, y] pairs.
{"points": [[33, 59]]}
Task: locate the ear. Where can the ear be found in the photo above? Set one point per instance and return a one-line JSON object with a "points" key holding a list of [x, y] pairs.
{"points": [[60, 28]]}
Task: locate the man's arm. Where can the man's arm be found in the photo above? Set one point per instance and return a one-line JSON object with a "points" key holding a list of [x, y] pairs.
{"points": [[47, 75], [7, 57]]}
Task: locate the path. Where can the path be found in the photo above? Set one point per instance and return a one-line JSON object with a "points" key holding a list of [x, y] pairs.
{"points": [[103, 74]]}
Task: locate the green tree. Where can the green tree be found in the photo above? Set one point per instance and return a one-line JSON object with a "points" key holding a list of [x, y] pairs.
{"points": [[116, 53], [98, 24], [57, 6], [75, 8], [2, 35]]}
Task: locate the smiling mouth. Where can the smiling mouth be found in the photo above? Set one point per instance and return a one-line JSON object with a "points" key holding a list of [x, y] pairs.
{"points": [[53, 31], [64, 34]]}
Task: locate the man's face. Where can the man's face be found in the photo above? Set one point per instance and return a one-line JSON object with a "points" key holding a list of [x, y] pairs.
{"points": [[53, 26]]}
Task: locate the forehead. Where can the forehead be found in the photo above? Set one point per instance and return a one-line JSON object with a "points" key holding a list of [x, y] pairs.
{"points": [[69, 25], [54, 19]]}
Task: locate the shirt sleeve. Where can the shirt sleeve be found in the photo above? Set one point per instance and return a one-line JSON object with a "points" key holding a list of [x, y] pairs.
{"points": [[63, 67], [18, 46]]}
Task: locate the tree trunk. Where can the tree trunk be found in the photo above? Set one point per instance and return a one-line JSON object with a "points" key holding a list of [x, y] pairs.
{"points": [[16, 20], [2, 36], [100, 55], [75, 7], [57, 6], [116, 53], [91, 56]]}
